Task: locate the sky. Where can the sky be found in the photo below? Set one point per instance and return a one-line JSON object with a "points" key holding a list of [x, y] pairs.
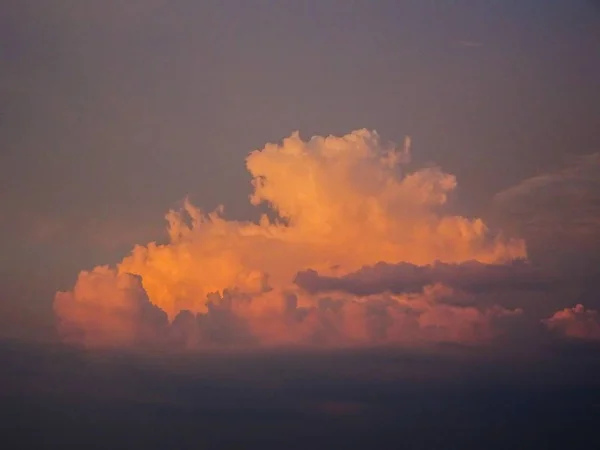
{"points": [[300, 177]]}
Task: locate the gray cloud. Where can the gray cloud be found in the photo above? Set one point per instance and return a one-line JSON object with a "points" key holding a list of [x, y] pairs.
{"points": [[558, 213], [472, 277]]}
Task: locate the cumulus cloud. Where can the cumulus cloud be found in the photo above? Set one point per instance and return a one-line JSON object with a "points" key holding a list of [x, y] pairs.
{"points": [[341, 204], [106, 308], [576, 322]]}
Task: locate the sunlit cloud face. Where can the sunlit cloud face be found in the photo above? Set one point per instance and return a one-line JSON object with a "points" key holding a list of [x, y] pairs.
{"points": [[107, 309], [342, 203]]}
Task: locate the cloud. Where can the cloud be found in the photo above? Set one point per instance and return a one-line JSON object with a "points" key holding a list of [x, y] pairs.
{"points": [[404, 278], [107, 309], [328, 193], [340, 204], [576, 322], [558, 213]]}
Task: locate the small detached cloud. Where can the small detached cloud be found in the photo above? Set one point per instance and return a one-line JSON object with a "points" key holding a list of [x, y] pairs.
{"points": [[577, 322]]}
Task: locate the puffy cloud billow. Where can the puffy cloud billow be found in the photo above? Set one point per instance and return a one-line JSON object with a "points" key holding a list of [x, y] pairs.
{"points": [[362, 252], [107, 308], [577, 322]]}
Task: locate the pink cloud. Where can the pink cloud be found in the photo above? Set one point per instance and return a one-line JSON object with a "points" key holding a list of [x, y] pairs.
{"points": [[576, 322]]}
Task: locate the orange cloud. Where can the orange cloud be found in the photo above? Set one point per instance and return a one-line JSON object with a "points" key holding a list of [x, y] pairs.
{"points": [[576, 322], [107, 309], [342, 203]]}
